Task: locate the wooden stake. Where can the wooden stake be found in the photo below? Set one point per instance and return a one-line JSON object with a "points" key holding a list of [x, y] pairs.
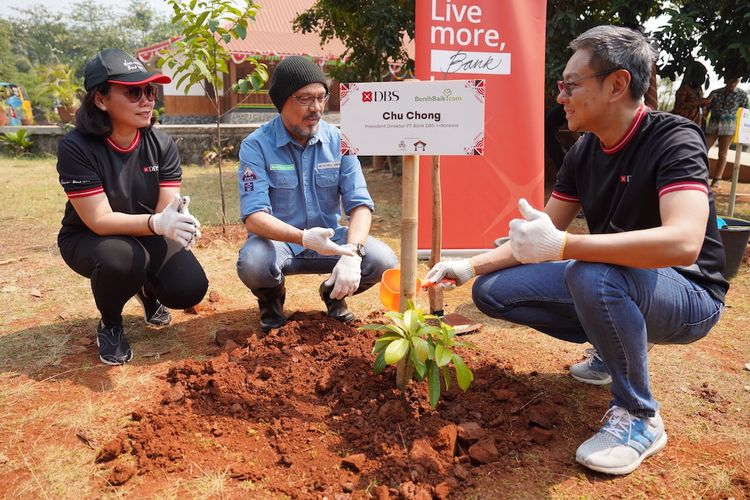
{"points": [[435, 293], [409, 220], [735, 177]]}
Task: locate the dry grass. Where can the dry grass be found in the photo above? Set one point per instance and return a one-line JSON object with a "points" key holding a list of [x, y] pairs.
{"points": [[53, 387]]}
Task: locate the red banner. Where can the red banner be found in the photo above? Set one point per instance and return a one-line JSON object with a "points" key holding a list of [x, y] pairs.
{"points": [[501, 41]]}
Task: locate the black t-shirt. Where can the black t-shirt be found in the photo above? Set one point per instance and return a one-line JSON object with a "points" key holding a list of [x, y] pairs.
{"points": [[619, 188], [130, 177]]}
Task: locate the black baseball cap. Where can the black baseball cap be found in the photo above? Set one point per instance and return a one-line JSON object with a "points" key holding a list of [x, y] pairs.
{"points": [[117, 66]]}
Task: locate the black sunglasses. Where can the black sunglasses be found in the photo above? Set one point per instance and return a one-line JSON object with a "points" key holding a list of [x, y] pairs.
{"points": [[135, 93]]}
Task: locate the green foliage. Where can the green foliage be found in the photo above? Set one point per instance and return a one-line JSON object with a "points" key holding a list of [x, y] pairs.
{"points": [[427, 348], [566, 19], [17, 143], [717, 30], [373, 31], [60, 82], [201, 57]]}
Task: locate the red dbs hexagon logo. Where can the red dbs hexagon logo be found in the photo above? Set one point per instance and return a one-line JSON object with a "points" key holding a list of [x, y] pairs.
{"points": [[367, 96]]}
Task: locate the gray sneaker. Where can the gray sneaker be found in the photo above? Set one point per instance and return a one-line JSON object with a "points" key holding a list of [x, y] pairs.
{"points": [[622, 443], [591, 370]]}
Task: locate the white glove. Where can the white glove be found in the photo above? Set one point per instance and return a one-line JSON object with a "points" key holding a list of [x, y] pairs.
{"points": [[535, 238], [174, 225], [460, 271], [319, 239], [345, 276], [184, 203]]}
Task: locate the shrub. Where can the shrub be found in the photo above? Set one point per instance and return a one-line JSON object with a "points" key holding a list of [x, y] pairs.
{"points": [[426, 349], [17, 143]]}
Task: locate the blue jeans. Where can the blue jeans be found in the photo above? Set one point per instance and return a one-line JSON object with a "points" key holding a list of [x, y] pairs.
{"points": [[263, 263], [618, 309]]}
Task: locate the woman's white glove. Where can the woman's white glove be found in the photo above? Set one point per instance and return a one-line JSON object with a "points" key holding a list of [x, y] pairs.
{"points": [[319, 239], [535, 238], [459, 271], [184, 203], [174, 225], [345, 276]]}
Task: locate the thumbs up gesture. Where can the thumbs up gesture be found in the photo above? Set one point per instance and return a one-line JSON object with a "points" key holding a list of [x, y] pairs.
{"points": [[535, 238]]}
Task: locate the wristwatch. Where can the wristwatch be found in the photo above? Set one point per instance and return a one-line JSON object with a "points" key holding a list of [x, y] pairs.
{"points": [[358, 248]]}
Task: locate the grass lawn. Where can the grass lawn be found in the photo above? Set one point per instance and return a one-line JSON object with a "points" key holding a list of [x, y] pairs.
{"points": [[59, 405]]}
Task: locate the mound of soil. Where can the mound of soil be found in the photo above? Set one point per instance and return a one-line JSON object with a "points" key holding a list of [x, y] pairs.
{"points": [[299, 412]]}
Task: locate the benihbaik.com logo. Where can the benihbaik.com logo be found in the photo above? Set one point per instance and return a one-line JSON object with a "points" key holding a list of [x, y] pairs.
{"points": [[447, 96]]}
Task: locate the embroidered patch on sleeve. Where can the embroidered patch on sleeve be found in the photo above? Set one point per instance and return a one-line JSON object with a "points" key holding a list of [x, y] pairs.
{"points": [[248, 175], [249, 186]]}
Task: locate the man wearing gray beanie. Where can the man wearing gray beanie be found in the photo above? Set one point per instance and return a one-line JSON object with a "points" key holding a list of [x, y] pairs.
{"points": [[293, 183]]}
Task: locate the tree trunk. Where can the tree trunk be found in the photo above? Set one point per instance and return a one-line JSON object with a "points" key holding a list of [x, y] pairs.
{"points": [[221, 172]]}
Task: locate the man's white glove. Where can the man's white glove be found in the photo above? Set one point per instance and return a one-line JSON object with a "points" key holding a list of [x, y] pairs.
{"points": [[345, 276], [459, 271], [184, 203], [174, 225], [535, 238], [319, 239]]}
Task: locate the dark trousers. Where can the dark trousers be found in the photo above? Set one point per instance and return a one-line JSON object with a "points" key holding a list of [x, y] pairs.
{"points": [[119, 266]]}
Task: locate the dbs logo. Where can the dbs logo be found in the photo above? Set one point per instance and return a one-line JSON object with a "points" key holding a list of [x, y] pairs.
{"points": [[379, 96]]}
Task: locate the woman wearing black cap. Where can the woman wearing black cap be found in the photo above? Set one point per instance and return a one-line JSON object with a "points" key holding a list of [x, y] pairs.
{"points": [[125, 225]]}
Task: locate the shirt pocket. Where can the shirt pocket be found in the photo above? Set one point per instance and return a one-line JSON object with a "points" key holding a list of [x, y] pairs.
{"points": [[282, 193], [327, 184]]}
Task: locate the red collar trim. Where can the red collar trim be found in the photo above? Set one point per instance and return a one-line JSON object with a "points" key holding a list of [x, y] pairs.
{"points": [[128, 149], [639, 116]]}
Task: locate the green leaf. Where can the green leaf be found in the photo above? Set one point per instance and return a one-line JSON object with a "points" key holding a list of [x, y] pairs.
{"points": [[420, 368], [372, 326], [411, 321], [396, 350], [257, 82], [380, 364], [433, 375], [446, 377], [421, 348], [241, 32], [443, 356], [463, 373], [203, 69]]}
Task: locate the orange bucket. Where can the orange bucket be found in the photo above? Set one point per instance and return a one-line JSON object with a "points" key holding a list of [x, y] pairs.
{"points": [[390, 289]]}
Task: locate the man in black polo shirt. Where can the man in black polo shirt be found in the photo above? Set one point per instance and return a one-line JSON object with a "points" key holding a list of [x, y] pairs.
{"points": [[649, 272]]}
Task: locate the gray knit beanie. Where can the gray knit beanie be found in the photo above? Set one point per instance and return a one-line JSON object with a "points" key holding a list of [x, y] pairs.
{"points": [[290, 75]]}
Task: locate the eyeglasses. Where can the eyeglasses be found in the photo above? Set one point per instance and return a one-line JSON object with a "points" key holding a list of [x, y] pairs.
{"points": [[135, 93], [566, 86], [307, 100]]}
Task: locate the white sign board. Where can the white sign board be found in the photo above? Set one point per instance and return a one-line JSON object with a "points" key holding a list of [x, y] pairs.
{"points": [[742, 132], [413, 118]]}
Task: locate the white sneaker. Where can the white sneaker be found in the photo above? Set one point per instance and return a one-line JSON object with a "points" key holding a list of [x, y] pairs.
{"points": [[622, 443], [591, 370]]}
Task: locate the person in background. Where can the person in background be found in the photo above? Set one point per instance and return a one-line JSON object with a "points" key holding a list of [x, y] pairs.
{"points": [[126, 227], [721, 123], [689, 100], [293, 183], [650, 269]]}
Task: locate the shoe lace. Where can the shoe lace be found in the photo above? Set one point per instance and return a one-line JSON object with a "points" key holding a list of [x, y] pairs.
{"points": [[619, 424], [592, 354]]}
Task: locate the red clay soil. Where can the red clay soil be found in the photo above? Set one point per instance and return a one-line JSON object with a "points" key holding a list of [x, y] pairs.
{"points": [[300, 413]]}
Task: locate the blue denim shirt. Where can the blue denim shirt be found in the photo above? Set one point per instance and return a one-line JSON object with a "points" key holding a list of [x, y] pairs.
{"points": [[302, 186]]}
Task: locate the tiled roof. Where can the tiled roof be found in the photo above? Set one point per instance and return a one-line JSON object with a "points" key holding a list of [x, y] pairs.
{"points": [[272, 34]]}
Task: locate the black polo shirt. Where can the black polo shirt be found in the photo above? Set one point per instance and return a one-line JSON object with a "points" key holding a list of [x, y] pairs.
{"points": [[619, 188], [130, 177]]}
